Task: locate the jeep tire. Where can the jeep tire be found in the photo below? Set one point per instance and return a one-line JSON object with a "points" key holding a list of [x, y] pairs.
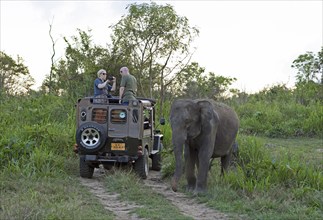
{"points": [[141, 165], [86, 170], [91, 137], [156, 161], [107, 166]]}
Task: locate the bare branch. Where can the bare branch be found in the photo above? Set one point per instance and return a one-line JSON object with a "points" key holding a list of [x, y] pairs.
{"points": [[52, 57]]}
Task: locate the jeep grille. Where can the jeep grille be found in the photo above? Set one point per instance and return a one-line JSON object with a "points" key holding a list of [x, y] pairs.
{"points": [[99, 115]]}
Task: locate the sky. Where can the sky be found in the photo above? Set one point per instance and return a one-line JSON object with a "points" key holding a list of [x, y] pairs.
{"points": [[253, 41]]}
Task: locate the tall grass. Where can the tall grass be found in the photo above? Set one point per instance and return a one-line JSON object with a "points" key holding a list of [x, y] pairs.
{"points": [[258, 170], [38, 135], [38, 169], [276, 119]]}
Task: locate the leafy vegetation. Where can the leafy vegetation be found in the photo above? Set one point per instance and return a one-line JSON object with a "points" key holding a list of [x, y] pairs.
{"points": [[14, 76]]}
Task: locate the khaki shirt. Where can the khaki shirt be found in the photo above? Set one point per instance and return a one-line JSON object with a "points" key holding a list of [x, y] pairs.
{"points": [[129, 82]]}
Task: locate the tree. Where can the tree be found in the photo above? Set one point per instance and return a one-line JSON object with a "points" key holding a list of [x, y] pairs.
{"points": [[275, 93], [309, 88], [189, 82], [15, 78], [155, 43], [194, 83], [309, 67], [52, 68], [75, 74]]}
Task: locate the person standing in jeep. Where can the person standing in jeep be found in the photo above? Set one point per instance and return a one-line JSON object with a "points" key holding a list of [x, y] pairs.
{"points": [[102, 86], [128, 86]]}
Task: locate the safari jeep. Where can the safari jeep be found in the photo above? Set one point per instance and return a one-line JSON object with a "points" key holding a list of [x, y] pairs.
{"points": [[110, 133]]}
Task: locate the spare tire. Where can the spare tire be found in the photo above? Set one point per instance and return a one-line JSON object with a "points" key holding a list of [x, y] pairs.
{"points": [[91, 137]]}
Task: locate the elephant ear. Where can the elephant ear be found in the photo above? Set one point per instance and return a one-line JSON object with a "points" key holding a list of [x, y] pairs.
{"points": [[207, 113], [206, 109]]}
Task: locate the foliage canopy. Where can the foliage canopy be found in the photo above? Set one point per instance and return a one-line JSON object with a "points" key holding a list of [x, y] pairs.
{"points": [[15, 78]]}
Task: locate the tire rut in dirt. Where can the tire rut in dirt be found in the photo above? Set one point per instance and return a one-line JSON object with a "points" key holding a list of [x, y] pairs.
{"points": [[188, 206], [109, 200]]}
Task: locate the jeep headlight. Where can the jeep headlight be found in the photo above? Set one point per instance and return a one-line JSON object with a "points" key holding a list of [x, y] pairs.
{"points": [[83, 115]]}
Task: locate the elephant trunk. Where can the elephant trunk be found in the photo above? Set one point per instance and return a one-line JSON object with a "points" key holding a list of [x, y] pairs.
{"points": [[178, 151]]}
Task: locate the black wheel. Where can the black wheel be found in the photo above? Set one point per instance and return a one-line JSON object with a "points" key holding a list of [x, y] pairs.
{"points": [[86, 170], [156, 161], [91, 137], [141, 165]]}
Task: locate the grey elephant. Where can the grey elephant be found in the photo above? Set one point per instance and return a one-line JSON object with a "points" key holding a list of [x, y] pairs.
{"points": [[208, 130]]}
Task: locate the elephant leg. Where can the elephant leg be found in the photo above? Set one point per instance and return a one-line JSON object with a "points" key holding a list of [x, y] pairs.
{"points": [[225, 162], [203, 168], [178, 151], [190, 169]]}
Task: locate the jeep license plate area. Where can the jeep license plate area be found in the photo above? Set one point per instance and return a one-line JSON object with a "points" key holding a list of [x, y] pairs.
{"points": [[118, 146]]}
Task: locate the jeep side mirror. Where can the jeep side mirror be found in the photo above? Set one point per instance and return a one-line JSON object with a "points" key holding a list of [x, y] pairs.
{"points": [[162, 121]]}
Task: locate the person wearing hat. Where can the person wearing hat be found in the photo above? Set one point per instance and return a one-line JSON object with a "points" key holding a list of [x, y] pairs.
{"points": [[128, 86], [102, 87]]}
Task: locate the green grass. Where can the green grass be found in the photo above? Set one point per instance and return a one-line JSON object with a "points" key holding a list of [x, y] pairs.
{"points": [[310, 149], [275, 203], [58, 197], [277, 119]]}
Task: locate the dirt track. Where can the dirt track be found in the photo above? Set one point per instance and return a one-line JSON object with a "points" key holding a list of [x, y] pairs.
{"points": [[110, 201]]}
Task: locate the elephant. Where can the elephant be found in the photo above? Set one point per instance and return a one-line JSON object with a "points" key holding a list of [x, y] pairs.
{"points": [[207, 129]]}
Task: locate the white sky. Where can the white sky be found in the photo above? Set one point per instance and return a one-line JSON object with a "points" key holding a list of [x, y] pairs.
{"points": [[254, 41]]}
